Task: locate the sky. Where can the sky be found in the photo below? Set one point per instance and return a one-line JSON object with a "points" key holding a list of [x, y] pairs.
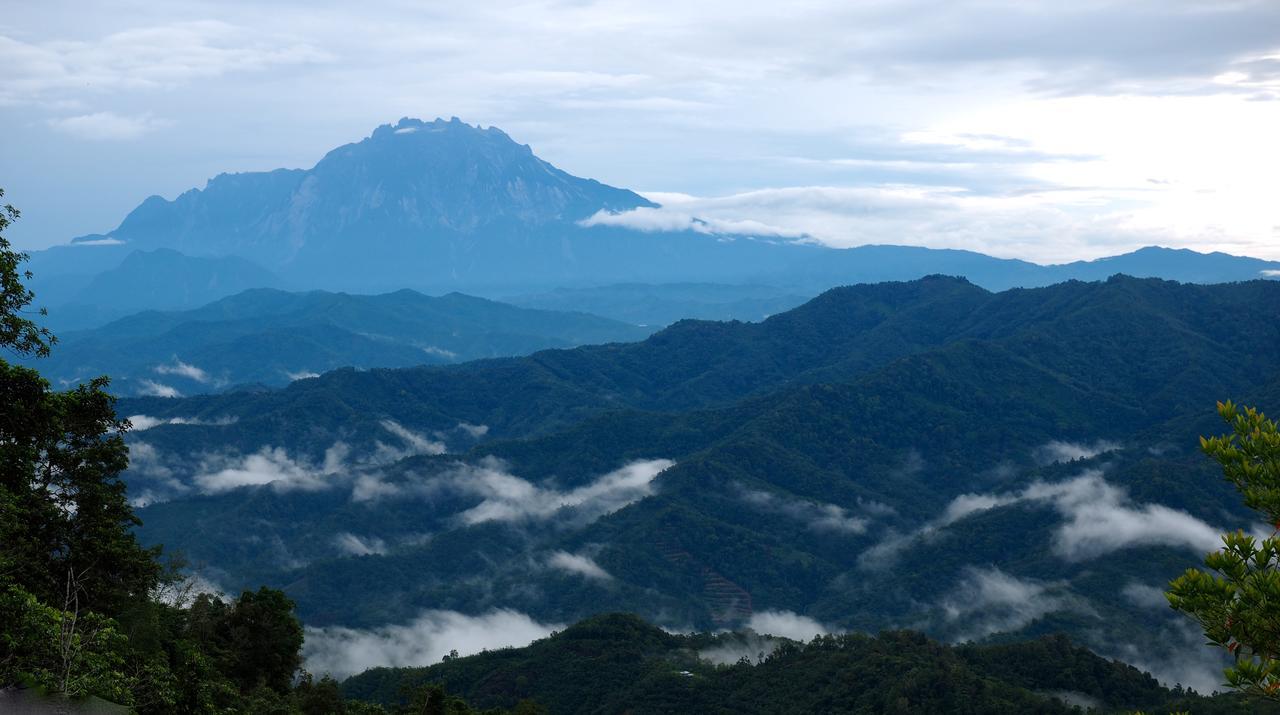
{"points": [[1049, 131]]}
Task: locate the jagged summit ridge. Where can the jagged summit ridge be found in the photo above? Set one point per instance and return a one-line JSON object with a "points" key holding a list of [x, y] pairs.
{"points": [[428, 195]]}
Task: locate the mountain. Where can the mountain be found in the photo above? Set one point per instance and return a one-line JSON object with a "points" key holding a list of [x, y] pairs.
{"points": [[649, 304], [416, 204], [158, 279], [272, 337], [618, 663], [926, 454], [443, 205], [83, 287]]}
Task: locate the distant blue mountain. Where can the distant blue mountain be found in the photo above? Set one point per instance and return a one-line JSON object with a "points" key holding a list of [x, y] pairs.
{"points": [[272, 337], [161, 279], [444, 205]]}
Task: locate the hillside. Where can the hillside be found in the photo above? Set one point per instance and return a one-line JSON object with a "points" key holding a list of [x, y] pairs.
{"points": [[272, 337], [891, 450], [618, 663]]}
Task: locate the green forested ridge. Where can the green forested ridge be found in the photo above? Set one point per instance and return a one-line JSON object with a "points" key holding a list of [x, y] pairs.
{"points": [[1121, 339], [816, 453], [618, 663]]}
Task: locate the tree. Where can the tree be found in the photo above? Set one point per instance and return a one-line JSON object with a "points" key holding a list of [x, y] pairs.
{"points": [[61, 454], [1237, 602], [17, 333], [69, 563], [264, 639]]}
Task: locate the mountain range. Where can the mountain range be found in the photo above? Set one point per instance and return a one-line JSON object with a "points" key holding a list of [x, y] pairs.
{"points": [[270, 337], [925, 454], [442, 206], [618, 663]]}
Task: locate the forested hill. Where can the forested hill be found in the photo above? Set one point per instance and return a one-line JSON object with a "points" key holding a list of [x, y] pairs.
{"points": [[1144, 346], [620, 664], [272, 337], [927, 454]]}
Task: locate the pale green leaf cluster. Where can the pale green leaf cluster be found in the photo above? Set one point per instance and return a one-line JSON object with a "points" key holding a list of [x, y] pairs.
{"points": [[1237, 602]]}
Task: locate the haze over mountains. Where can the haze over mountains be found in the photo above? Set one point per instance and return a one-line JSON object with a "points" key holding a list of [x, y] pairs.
{"points": [[441, 206], [269, 337]]}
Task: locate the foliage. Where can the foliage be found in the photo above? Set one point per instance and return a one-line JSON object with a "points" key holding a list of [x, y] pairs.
{"points": [[63, 453], [618, 663], [18, 333], [1237, 602], [61, 651]]}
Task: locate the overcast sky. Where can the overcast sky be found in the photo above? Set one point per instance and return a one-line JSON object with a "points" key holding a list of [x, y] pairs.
{"points": [[1041, 130]]}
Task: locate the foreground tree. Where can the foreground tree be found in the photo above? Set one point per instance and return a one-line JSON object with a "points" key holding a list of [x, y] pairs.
{"points": [[80, 608], [1237, 602]]}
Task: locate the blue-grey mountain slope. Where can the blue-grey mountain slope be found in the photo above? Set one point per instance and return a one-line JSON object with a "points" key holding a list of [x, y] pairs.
{"points": [[271, 337], [444, 205]]}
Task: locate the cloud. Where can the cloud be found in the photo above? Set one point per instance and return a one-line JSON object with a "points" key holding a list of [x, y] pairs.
{"points": [[1271, 273], [988, 600], [151, 477], [1045, 223], [1144, 596], [341, 651], [651, 219], [1097, 519], [142, 58], [354, 545], [152, 388], [505, 497], [817, 516], [182, 593], [270, 465], [1175, 653], [143, 422], [756, 102], [301, 375], [146, 422], [578, 564], [413, 443], [100, 242], [473, 431], [440, 352], [510, 498], [731, 648], [1057, 451], [182, 369], [107, 126], [1100, 519], [373, 488], [787, 625]]}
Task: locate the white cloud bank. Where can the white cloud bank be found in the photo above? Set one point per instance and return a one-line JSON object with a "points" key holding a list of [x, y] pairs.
{"points": [[579, 565], [270, 465], [341, 651], [353, 545], [786, 624], [818, 516], [413, 444], [1097, 519], [510, 498], [146, 422], [151, 388], [988, 600], [1046, 224], [506, 497], [107, 126]]}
